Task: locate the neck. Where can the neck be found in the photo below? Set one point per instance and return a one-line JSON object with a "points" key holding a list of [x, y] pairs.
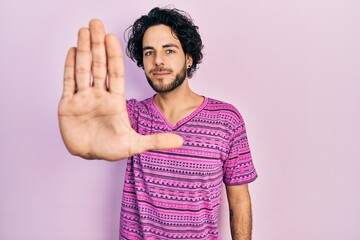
{"points": [[178, 97], [178, 103]]}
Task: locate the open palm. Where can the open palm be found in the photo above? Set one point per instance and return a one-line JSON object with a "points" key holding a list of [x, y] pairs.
{"points": [[93, 119]]}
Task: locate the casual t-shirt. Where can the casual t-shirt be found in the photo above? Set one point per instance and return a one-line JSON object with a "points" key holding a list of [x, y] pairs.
{"points": [[176, 194]]}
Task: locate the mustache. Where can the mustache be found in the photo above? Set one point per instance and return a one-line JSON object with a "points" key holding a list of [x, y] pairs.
{"points": [[160, 69]]}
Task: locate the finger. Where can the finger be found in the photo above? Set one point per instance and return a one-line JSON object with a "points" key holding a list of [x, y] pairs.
{"points": [[160, 141], [69, 74], [98, 67], [116, 70], [82, 66]]}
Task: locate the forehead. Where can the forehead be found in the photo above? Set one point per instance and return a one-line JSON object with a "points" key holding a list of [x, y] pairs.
{"points": [[159, 35]]}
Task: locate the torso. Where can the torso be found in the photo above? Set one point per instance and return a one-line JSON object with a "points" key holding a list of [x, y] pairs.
{"points": [[176, 193]]}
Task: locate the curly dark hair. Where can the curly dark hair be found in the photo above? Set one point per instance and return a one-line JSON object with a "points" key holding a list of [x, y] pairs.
{"points": [[181, 24]]}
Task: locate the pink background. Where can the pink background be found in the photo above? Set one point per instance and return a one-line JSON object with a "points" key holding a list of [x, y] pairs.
{"points": [[292, 68]]}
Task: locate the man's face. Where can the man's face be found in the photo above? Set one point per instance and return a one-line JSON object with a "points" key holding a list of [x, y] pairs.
{"points": [[164, 60]]}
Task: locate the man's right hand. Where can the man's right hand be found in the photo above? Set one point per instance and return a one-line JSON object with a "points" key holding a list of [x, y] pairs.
{"points": [[93, 119]]}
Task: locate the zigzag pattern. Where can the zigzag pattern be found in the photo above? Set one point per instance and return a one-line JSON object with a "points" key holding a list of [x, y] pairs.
{"points": [[175, 194]]}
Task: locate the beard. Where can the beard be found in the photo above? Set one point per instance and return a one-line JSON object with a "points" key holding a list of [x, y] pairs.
{"points": [[162, 88]]}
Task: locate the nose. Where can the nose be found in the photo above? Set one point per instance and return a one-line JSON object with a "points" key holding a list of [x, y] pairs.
{"points": [[158, 59]]}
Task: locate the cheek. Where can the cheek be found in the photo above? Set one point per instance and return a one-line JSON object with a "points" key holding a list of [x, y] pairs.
{"points": [[146, 65]]}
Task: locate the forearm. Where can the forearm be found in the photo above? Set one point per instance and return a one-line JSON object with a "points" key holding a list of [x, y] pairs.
{"points": [[240, 212], [241, 221]]}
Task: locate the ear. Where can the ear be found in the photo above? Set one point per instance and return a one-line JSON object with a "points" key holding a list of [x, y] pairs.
{"points": [[188, 61]]}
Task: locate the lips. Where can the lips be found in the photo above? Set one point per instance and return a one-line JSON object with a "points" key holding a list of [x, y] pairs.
{"points": [[160, 73]]}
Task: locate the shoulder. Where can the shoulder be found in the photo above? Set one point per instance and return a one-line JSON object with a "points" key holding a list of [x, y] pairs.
{"points": [[133, 104], [137, 108], [224, 111]]}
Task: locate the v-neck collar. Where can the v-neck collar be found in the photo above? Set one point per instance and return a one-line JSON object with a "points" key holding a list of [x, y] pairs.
{"points": [[182, 121]]}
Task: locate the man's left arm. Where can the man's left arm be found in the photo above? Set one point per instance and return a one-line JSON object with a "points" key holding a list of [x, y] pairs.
{"points": [[240, 211]]}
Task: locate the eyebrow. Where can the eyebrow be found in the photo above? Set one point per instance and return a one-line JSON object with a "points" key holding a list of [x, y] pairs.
{"points": [[169, 45]]}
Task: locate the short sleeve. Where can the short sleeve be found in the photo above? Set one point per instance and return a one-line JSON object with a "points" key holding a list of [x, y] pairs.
{"points": [[238, 167]]}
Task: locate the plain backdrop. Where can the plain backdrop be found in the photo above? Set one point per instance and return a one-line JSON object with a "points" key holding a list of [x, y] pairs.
{"points": [[292, 68]]}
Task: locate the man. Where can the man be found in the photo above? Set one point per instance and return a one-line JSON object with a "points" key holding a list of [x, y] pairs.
{"points": [[180, 146]]}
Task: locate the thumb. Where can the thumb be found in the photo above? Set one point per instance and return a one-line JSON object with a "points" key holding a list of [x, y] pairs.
{"points": [[160, 141]]}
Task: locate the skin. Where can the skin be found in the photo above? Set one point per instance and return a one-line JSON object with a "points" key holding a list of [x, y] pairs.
{"points": [[163, 50], [164, 78], [240, 212], [93, 119]]}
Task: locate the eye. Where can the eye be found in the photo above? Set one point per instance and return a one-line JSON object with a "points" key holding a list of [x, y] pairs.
{"points": [[149, 53], [169, 51]]}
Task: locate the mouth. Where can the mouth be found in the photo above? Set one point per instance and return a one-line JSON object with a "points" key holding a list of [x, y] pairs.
{"points": [[160, 73]]}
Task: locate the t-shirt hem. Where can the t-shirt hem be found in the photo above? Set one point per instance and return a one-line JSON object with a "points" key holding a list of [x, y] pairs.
{"points": [[243, 182]]}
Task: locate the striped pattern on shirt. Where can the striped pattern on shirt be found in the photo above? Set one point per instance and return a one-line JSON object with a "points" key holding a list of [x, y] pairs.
{"points": [[176, 194]]}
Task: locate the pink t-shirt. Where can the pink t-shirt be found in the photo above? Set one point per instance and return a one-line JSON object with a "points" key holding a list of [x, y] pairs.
{"points": [[176, 194]]}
